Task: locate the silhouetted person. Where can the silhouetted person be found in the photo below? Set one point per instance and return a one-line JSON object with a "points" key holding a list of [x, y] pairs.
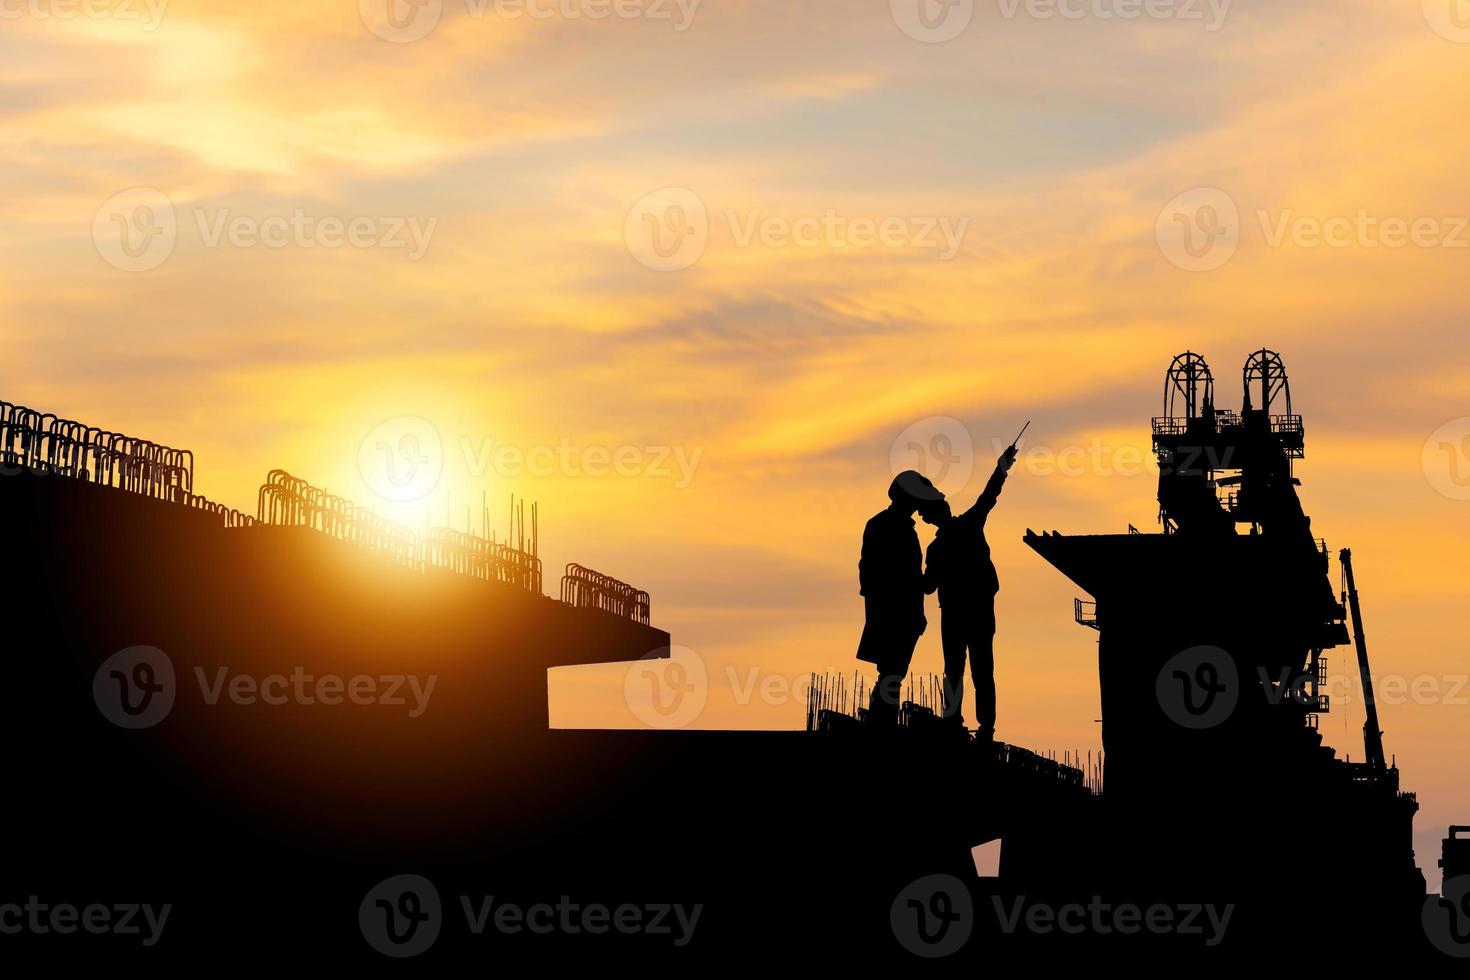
{"points": [[959, 567], [891, 579]]}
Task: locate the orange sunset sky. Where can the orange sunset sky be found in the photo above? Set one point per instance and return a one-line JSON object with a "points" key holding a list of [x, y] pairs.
{"points": [[179, 179]]}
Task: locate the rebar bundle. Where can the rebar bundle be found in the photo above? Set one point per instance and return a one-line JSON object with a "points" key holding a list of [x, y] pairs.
{"points": [[483, 558], [45, 443], [228, 515], [291, 501], [48, 445], [589, 589]]}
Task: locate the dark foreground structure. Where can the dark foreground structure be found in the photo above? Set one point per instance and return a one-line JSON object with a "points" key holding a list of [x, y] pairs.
{"points": [[233, 716]]}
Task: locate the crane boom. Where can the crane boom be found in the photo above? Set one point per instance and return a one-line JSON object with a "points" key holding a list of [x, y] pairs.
{"points": [[1372, 734]]}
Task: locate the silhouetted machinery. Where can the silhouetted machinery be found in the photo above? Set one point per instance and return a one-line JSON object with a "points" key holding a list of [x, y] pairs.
{"points": [[1211, 637], [1455, 860]]}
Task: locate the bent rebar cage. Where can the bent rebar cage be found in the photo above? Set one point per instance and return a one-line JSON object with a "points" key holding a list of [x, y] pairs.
{"points": [[45, 443], [483, 558], [290, 501], [589, 589]]}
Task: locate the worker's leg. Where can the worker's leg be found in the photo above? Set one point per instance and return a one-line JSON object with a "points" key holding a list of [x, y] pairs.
{"points": [[981, 640], [954, 636], [893, 667]]}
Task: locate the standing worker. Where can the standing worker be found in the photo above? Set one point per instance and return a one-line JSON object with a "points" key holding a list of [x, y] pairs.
{"points": [[960, 569], [891, 580]]}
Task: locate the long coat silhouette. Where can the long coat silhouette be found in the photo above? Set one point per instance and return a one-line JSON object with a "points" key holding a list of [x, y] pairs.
{"points": [[891, 579]]}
